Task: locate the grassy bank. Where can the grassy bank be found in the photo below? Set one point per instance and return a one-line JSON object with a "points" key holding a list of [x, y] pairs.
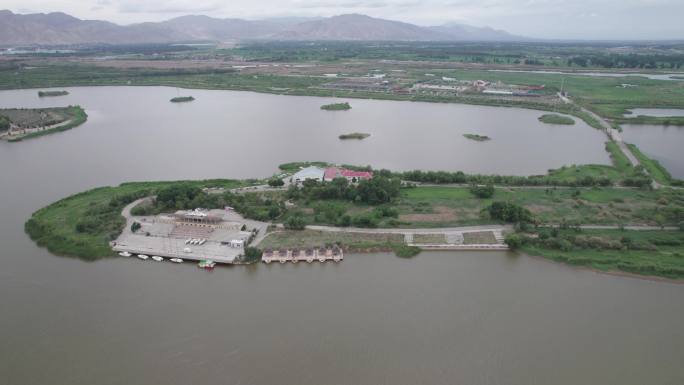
{"points": [[83, 224], [654, 168], [650, 253], [76, 116]]}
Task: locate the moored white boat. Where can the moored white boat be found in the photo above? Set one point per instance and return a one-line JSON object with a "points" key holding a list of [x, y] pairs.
{"points": [[176, 260], [125, 254], [142, 256], [156, 258]]}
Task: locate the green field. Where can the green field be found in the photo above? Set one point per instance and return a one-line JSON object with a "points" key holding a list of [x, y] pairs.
{"points": [[348, 241], [449, 206]]}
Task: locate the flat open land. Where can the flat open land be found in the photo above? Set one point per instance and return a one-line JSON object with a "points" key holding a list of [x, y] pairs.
{"points": [[313, 238]]}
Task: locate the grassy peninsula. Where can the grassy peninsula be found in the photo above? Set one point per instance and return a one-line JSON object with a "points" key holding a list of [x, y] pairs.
{"points": [[52, 93], [354, 135], [182, 99], [477, 138], [83, 224], [556, 119], [26, 123], [548, 219], [336, 107]]}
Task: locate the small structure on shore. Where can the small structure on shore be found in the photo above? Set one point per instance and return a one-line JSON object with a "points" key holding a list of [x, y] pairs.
{"points": [[309, 173]]}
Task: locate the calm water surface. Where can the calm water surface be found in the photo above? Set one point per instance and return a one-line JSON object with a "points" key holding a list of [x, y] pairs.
{"points": [[440, 318], [130, 125], [657, 112], [663, 143]]}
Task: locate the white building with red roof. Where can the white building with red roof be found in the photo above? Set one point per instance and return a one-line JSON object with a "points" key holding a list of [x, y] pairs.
{"points": [[352, 176]]}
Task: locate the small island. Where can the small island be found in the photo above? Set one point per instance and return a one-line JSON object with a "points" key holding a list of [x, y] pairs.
{"points": [[17, 124], [336, 107], [477, 138], [556, 119], [354, 135], [43, 94], [182, 99]]}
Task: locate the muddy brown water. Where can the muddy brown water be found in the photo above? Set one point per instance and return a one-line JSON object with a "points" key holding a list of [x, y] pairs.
{"points": [[439, 318]]}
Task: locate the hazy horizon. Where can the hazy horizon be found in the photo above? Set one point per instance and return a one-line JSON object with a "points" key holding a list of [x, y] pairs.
{"points": [[544, 19]]}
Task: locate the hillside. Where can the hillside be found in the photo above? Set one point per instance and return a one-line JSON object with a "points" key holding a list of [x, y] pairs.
{"points": [[59, 28]]}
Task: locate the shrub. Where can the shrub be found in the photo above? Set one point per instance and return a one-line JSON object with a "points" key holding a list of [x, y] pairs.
{"points": [[406, 251], [252, 254], [295, 222], [135, 226], [515, 241], [365, 220], [275, 182], [482, 191], [509, 212]]}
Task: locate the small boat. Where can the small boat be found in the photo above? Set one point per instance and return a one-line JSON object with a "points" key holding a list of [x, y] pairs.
{"points": [[188, 241], [142, 256], [176, 260], [206, 264], [158, 259], [125, 254]]}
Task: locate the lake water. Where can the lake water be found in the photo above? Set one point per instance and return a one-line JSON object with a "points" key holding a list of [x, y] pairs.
{"points": [[663, 143], [132, 125], [657, 112], [440, 318]]}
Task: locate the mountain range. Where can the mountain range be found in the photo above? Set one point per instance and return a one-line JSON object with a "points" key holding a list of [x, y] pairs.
{"points": [[58, 28]]}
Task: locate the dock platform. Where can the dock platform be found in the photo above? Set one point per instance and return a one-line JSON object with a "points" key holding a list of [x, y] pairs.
{"points": [[306, 255]]}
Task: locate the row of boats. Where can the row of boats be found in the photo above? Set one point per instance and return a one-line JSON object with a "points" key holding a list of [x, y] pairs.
{"points": [[205, 264]]}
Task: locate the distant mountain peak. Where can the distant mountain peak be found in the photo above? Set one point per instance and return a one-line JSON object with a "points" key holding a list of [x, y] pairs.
{"points": [[61, 28]]}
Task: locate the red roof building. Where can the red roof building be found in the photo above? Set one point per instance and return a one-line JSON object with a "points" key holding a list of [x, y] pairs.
{"points": [[352, 176]]}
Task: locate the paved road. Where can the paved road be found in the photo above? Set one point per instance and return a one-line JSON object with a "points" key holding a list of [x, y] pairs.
{"points": [[436, 230]]}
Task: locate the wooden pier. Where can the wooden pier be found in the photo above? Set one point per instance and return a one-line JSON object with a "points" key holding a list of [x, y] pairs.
{"points": [[303, 255]]}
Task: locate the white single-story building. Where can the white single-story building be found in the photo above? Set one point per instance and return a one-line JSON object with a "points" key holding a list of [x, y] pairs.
{"points": [[309, 173]]}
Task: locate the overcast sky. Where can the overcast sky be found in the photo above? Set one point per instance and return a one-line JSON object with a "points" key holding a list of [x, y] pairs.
{"points": [[571, 19]]}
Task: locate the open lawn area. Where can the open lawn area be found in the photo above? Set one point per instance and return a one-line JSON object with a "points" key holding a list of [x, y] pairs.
{"points": [[349, 241], [451, 206]]}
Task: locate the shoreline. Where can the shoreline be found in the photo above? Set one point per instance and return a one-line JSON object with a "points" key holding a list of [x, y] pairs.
{"points": [[615, 273]]}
